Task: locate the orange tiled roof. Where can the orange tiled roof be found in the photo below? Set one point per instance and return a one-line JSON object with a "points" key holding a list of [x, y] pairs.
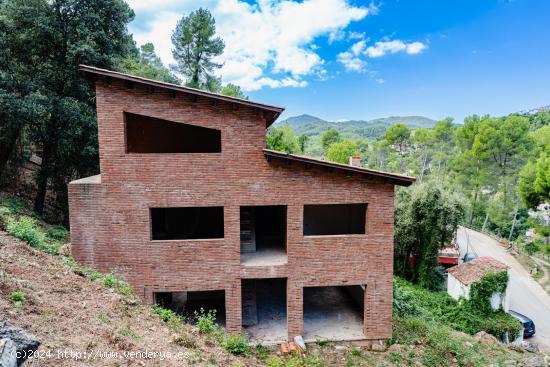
{"points": [[471, 271]]}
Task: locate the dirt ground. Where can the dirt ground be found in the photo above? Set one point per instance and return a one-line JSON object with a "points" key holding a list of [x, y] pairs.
{"points": [[76, 317]]}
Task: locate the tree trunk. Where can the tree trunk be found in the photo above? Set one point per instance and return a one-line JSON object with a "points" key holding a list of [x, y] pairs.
{"points": [[6, 149], [42, 184], [473, 208]]}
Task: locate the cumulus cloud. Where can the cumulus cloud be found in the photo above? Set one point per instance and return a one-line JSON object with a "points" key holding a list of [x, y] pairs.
{"points": [[352, 60], [382, 48], [269, 43]]}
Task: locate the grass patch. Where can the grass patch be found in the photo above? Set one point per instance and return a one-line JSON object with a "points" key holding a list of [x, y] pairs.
{"points": [[18, 297]]}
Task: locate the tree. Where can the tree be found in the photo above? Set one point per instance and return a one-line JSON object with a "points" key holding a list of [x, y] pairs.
{"points": [[302, 142], [542, 180], [426, 219], [43, 42], [526, 185], [282, 138], [470, 168], [195, 46], [506, 142], [144, 62], [341, 151], [398, 135], [329, 137], [233, 90]]}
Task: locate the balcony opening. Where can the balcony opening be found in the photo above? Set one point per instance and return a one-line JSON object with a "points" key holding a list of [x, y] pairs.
{"points": [[145, 134], [263, 235], [334, 219], [334, 313], [187, 223], [191, 304], [264, 314]]}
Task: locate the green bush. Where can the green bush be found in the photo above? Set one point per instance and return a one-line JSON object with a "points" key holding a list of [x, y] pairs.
{"points": [[206, 321], [236, 343], [165, 314], [26, 229], [18, 297], [109, 280], [416, 306], [58, 232]]}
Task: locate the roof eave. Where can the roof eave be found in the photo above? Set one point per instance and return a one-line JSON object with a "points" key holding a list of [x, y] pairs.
{"points": [[271, 112], [393, 178]]}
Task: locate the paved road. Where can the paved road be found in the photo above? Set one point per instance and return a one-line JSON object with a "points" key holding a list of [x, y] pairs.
{"points": [[526, 295]]}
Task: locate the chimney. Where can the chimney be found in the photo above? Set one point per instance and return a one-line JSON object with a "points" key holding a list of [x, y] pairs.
{"points": [[355, 160]]}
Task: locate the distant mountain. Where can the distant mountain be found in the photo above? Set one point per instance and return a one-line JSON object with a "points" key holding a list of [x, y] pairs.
{"points": [[313, 126]]}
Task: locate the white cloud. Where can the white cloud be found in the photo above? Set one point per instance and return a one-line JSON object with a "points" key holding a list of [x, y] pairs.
{"points": [[351, 62], [382, 48], [267, 44], [353, 59]]}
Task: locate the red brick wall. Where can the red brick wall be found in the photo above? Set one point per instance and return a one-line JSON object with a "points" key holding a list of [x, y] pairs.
{"points": [[110, 226]]}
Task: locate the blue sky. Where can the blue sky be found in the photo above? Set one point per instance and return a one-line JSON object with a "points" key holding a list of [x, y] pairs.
{"points": [[346, 59]]}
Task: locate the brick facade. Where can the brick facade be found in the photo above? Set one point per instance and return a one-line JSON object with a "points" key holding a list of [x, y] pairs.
{"points": [[110, 224]]}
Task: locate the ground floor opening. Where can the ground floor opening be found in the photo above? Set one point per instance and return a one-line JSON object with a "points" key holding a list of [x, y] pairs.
{"points": [[264, 314], [334, 313], [191, 304], [263, 235]]}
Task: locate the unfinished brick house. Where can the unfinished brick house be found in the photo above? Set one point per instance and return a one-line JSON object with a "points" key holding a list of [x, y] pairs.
{"points": [[193, 211]]}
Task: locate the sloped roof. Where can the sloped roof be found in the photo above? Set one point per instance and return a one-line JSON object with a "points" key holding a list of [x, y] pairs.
{"points": [[474, 270], [395, 178], [272, 112]]}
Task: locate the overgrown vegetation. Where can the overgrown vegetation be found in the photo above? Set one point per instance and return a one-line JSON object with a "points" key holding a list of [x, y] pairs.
{"points": [[468, 316]]}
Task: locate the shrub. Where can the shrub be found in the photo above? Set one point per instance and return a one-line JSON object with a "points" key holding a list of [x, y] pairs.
{"points": [[18, 297], [263, 352], [236, 343], [57, 232], [109, 281], [165, 314], [26, 229], [95, 275], [206, 321], [184, 341]]}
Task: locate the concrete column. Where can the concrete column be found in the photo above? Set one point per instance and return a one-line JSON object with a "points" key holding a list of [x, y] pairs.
{"points": [[295, 308]]}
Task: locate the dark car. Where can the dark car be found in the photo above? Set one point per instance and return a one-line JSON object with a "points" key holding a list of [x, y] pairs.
{"points": [[528, 324]]}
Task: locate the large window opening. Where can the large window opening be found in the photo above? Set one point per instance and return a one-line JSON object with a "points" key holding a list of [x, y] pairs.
{"points": [[334, 219], [146, 134], [263, 235], [187, 223], [334, 313], [264, 315], [192, 304]]}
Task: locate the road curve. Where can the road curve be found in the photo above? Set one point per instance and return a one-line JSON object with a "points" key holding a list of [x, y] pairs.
{"points": [[526, 295]]}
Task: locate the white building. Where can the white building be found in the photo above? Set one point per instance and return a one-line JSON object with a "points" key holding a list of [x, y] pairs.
{"points": [[462, 276]]}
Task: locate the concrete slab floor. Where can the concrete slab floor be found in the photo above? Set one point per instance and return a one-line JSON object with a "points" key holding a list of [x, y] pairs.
{"points": [[330, 313], [272, 317], [265, 257]]}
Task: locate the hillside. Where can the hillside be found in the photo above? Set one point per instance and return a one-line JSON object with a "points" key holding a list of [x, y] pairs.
{"points": [[314, 126], [75, 309]]}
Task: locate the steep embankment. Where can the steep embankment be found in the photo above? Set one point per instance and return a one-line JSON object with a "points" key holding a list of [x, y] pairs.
{"points": [[71, 313]]}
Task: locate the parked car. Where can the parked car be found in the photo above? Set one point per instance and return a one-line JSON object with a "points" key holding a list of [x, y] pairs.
{"points": [[528, 324]]}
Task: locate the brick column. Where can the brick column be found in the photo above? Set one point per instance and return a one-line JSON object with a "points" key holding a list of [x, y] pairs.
{"points": [[233, 312], [378, 309], [295, 308]]}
